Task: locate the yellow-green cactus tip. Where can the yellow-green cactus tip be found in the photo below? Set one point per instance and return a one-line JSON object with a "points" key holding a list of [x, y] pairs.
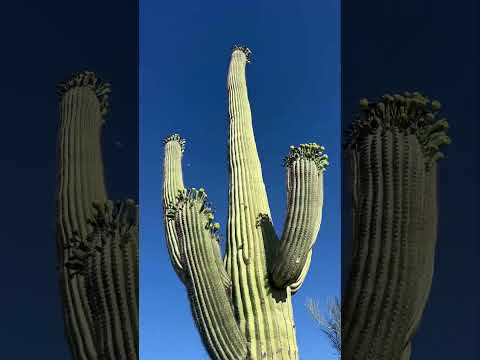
{"points": [[216, 226], [436, 105], [245, 50], [130, 203], [177, 138], [88, 79], [364, 104], [308, 151]]}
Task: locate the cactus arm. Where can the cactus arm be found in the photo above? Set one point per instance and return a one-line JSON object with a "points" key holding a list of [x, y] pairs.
{"points": [[206, 277], [295, 286], [113, 260], [172, 185], [393, 149], [305, 166], [195, 253], [108, 259], [83, 104]]}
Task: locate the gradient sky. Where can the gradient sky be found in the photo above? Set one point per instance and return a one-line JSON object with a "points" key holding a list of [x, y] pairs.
{"points": [[294, 89]]}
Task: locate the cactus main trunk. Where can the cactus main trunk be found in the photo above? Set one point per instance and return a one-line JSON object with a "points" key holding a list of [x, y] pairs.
{"points": [[242, 305], [265, 314]]}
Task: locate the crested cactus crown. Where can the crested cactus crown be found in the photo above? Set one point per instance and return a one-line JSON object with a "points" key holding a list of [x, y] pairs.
{"points": [[177, 138], [196, 197], [310, 151], [245, 50], [88, 79], [410, 113]]}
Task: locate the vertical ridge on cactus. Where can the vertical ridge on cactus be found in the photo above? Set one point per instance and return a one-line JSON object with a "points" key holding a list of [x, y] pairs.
{"points": [[242, 304], [97, 239], [393, 148]]}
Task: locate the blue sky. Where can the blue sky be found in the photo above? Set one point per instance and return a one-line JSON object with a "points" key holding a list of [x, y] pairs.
{"points": [[294, 90]]}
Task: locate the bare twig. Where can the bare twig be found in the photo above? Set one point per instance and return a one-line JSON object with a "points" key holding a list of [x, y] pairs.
{"points": [[330, 324]]}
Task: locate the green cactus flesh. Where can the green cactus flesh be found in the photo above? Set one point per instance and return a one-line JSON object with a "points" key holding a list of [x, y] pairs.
{"points": [[97, 239], [392, 150], [242, 304]]}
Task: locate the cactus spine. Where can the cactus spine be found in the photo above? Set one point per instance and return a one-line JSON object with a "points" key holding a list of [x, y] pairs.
{"points": [[97, 239], [242, 304], [392, 149]]}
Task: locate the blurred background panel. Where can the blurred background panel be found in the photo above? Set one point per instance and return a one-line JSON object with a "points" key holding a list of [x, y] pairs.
{"points": [[43, 43], [431, 47]]}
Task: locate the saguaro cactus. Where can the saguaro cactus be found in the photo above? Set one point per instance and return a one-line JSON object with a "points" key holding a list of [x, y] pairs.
{"points": [[393, 150], [97, 239], [242, 305]]}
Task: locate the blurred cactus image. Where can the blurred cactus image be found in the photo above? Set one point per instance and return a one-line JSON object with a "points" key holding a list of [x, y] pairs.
{"points": [[242, 303], [392, 150], [97, 238]]}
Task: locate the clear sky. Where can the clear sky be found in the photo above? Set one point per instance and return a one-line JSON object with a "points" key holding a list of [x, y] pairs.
{"points": [[294, 90]]}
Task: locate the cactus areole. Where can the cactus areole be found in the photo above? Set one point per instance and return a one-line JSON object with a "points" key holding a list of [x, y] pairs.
{"points": [[242, 304]]}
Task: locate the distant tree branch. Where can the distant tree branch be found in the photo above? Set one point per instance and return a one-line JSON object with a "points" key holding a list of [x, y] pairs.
{"points": [[330, 323]]}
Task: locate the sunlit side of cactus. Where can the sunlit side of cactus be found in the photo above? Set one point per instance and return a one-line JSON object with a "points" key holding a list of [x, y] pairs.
{"points": [[97, 239], [392, 149], [242, 304]]}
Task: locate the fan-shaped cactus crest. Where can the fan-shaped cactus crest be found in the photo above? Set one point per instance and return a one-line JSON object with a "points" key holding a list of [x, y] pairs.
{"points": [[242, 304]]}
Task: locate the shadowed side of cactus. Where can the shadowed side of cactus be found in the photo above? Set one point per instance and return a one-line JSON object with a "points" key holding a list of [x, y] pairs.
{"points": [[97, 239], [241, 304], [108, 261], [392, 149]]}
